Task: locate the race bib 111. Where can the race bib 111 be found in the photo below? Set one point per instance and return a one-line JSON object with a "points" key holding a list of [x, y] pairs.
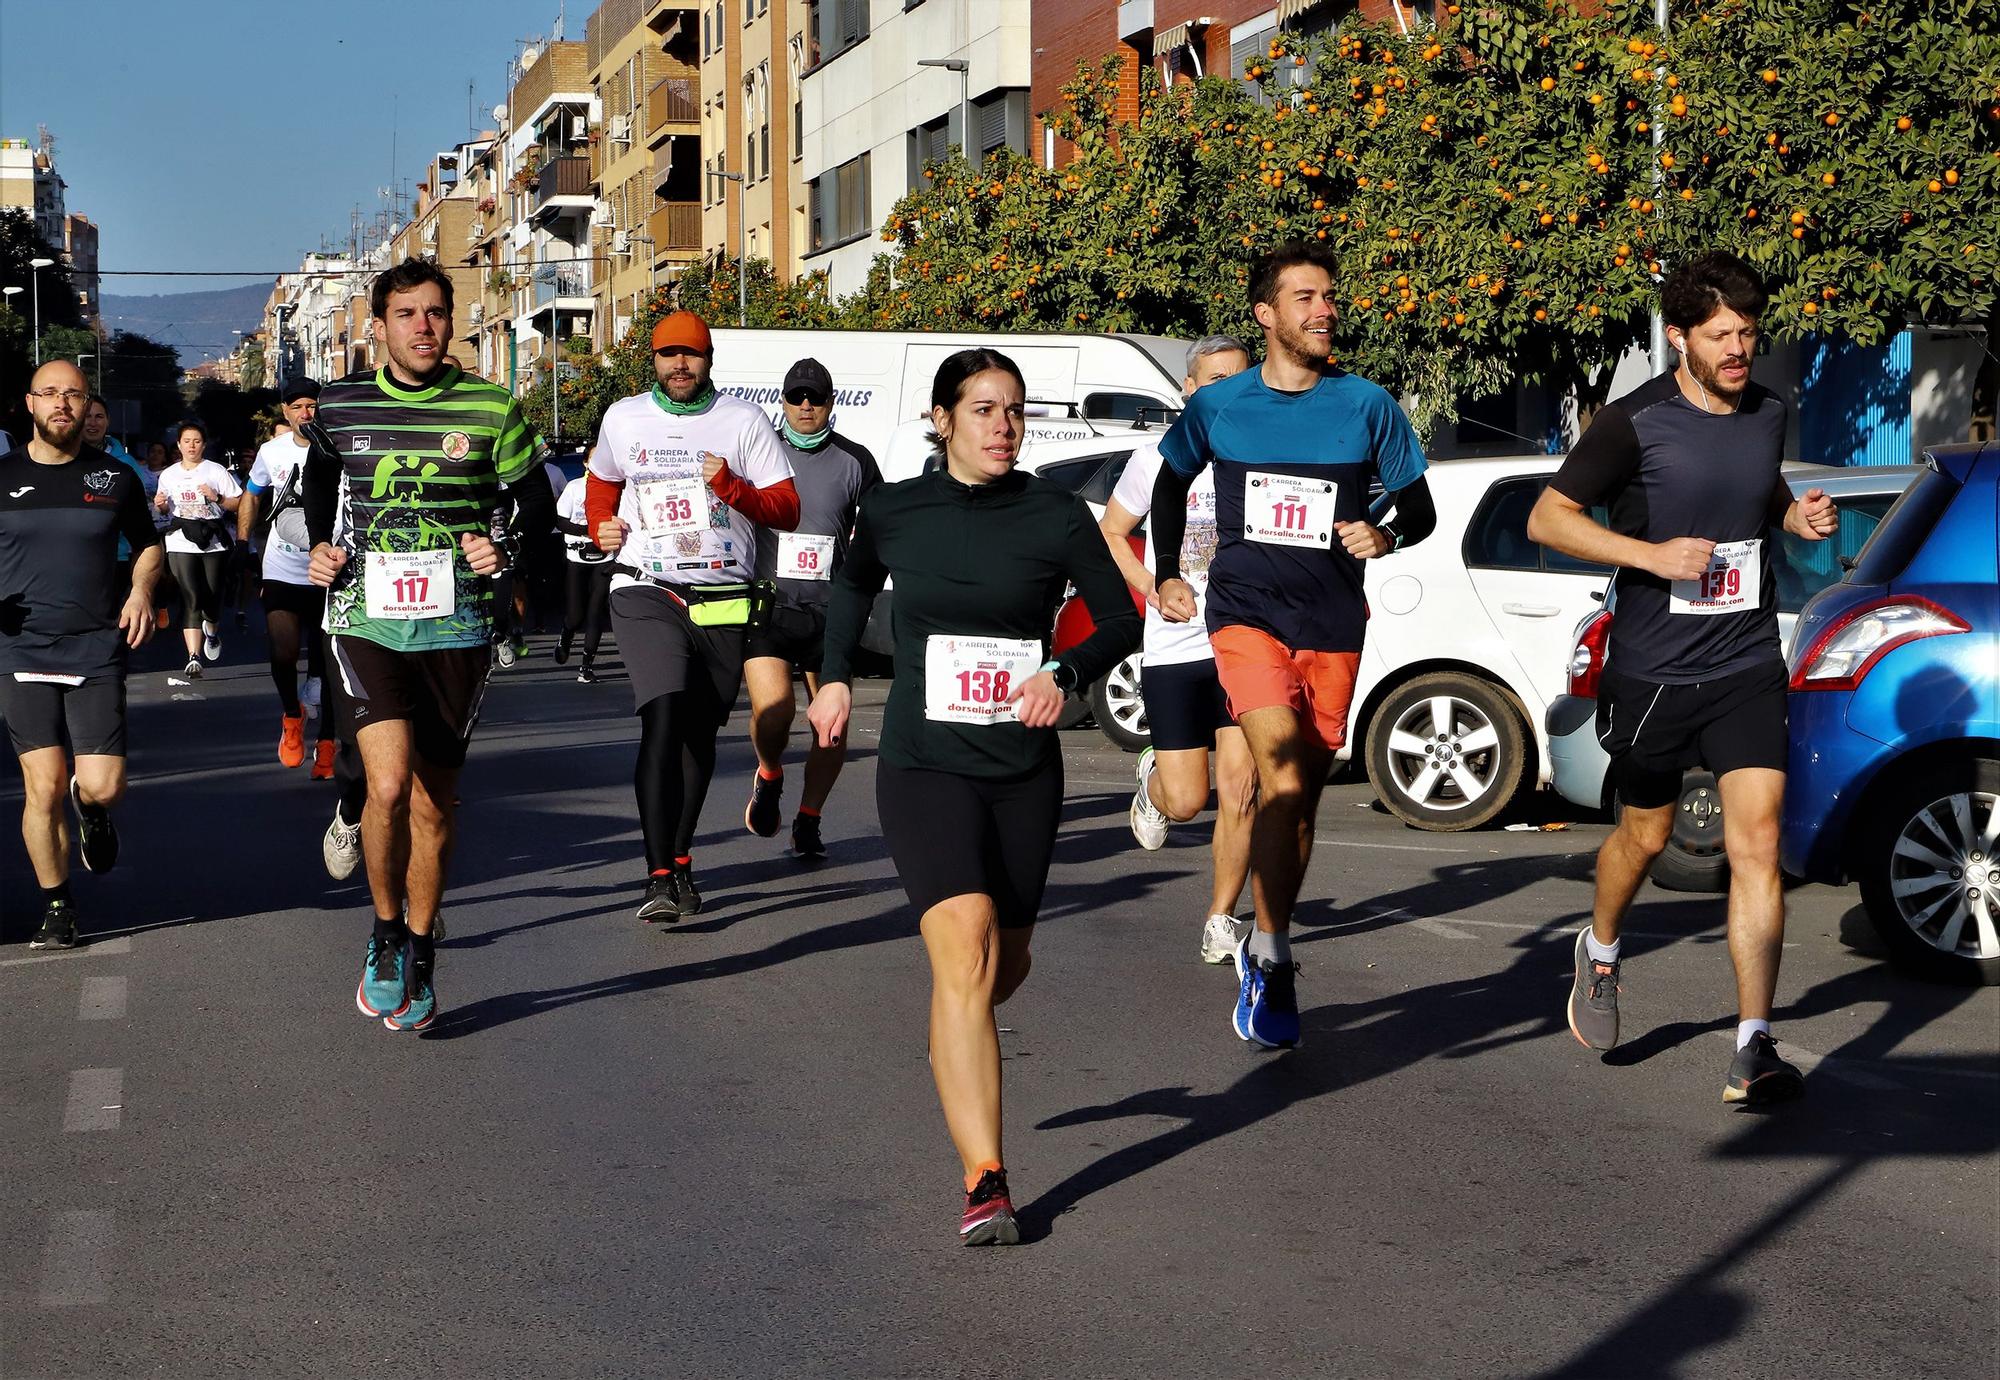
{"points": [[1287, 510]]}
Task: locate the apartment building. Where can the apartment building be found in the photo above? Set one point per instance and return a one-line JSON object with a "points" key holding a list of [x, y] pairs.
{"points": [[754, 58], [79, 246], [29, 182], [645, 152], [888, 86], [441, 224], [550, 204]]}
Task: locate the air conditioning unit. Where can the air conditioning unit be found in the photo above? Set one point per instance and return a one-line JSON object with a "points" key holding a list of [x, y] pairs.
{"points": [[579, 329], [579, 129], [620, 242], [621, 128]]}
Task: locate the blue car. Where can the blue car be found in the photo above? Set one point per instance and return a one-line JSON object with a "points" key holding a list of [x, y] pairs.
{"points": [[1895, 723]]}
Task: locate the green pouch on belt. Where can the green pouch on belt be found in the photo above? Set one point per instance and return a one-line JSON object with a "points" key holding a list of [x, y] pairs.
{"points": [[733, 606]]}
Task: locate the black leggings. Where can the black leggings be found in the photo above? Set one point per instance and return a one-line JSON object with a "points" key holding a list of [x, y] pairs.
{"points": [[199, 575], [676, 763], [337, 721], [589, 587], [952, 835]]}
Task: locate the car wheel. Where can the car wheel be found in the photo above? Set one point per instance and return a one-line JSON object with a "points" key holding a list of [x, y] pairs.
{"points": [[1930, 873], [1447, 752], [1694, 859], [1120, 708]]}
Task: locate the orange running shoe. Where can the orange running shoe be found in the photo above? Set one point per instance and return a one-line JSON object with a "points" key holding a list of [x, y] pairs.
{"points": [[323, 760], [292, 742]]}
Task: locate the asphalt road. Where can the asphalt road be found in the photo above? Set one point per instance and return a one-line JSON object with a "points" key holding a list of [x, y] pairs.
{"points": [[715, 1150]]}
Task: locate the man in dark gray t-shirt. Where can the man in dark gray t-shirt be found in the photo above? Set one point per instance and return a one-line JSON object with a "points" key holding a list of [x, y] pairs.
{"points": [[1688, 467], [830, 473]]}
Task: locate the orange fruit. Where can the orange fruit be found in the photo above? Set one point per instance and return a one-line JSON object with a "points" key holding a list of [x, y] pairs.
{"points": [[1548, 83], [1951, 177], [1810, 309], [1541, 315], [1903, 124], [1934, 185], [1832, 119], [1769, 74], [1829, 178], [1798, 217]]}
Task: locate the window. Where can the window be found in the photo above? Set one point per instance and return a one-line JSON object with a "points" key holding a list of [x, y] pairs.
{"points": [[1807, 567], [929, 143], [834, 26], [707, 33], [1128, 407], [840, 205], [764, 113], [1091, 477], [749, 128], [1497, 536]]}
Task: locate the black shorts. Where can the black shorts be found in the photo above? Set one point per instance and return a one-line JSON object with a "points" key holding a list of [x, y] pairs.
{"points": [[43, 714], [305, 602], [436, 692], [797, 635], [952, 835], [1653, 733], [663, 651], [1185, 705]]}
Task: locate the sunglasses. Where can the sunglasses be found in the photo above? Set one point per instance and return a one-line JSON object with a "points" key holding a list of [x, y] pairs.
{"points": [[799, 396]]}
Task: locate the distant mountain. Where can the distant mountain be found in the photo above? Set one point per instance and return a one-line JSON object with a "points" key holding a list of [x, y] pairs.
{"points": [[197, 324]]}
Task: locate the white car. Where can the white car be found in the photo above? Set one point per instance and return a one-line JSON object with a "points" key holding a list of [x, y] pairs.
{"points": [[1469, 640]]}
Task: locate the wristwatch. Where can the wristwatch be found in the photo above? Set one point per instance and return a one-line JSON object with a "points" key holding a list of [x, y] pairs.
{"points": [[1064, 675], [1388, 529]]}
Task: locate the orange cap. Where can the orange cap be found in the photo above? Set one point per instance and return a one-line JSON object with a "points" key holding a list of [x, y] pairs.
{"points": [[685, 329]]}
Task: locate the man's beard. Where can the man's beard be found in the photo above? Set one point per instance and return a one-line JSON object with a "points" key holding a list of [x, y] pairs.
{"points": [[1304, 346], [58, 434], [685, 390], [1709, 376]]}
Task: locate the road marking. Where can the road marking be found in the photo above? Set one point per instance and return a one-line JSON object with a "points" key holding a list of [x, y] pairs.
{"points": [[108, 948], [73, 1265], [102, 999], [1392, 847], [96, 1100], [1853, 1070], [1437, 928]]}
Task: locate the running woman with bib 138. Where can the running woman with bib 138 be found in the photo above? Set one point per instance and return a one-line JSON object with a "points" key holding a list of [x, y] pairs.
{"points": [[1186, 712], [425, 449], [681, 480], [969, 781], [1689, 465], [1294, 444]]}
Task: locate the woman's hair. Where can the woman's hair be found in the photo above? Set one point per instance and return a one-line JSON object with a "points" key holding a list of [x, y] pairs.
{"points": [[185, 426], [956, 371]]}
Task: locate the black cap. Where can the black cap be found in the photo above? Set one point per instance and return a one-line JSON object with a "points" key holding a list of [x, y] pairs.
{"points": [[300, 387], [810, 375]]}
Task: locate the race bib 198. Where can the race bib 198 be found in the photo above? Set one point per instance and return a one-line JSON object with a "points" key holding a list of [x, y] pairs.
{"points": [[1734, 581], [968, 680], [418, 584], [1287, 510], [802, 557], [670, 507]]}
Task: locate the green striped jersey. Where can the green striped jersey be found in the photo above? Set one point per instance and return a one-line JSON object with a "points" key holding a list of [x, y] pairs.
{"points": [[421, 468]]}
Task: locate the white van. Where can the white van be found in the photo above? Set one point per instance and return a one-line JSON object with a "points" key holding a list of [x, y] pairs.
{"points": [[883, 378]]}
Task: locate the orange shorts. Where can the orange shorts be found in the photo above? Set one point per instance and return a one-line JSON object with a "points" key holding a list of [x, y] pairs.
{"points": [[1259, 672]]}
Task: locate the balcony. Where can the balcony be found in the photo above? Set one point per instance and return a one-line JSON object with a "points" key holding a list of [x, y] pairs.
{"points": [[675, 227], [673, 106], [562, 184], [565, 286]]}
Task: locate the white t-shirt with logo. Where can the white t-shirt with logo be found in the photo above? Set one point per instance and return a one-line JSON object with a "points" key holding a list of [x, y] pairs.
{"points": [[681, 533], [569, 508], [1170, 644], [183, 486], [278, 462]]}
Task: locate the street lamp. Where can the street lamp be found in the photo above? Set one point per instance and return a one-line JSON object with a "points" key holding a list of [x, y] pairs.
{"points": [[964, 70], [36, 279], [742, 231]]}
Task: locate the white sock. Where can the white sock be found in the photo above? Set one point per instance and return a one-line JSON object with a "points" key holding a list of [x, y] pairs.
{"points": [[1745, 1029], [1600, 953], [1275, 947]]}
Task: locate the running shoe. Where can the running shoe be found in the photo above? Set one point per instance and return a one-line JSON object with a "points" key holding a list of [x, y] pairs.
{"points": [[1149, 825], [96, 835], [504, 653], [1757, 1075], [340, 850], [989, 1213], [1593, 998], [763, 815], [419, 1009], [586, 674], [292, 742], [1220, 936], [324, 752], [193, 669], [211, 641], [1267, 1001], [685, 896], [563, 645], [662, 901], [806, 843], [309, 696], [242, 622], [58, 929], [381, 991]]}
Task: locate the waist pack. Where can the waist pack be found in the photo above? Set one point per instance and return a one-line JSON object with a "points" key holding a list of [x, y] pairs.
{"points": [[746, 604]]}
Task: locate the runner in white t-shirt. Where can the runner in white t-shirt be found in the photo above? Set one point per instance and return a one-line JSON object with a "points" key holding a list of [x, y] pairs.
{"points": [[588, 573], [293, 604], [195, 494], [680, 481], [1185, 707]]}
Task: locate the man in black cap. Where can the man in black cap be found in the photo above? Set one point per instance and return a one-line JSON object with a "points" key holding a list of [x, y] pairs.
{"points": [[831, 473], [293, 604]]}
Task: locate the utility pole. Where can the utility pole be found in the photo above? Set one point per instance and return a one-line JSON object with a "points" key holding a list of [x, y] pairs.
{"points": [[742, 231]]}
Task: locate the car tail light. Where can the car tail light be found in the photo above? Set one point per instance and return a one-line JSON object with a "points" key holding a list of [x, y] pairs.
{"points": [[1586, 662], [1848, 648]]}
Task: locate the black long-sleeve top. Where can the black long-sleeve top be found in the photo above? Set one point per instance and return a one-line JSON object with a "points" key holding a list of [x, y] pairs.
{"points": [[985, 560]]}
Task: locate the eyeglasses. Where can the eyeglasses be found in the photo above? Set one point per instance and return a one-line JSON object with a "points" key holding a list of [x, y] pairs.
{"points": [[799, 396], [68, 395]]}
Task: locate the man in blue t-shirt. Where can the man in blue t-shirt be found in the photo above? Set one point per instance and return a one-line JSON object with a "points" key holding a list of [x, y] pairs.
{"points": [[1294, 445]]}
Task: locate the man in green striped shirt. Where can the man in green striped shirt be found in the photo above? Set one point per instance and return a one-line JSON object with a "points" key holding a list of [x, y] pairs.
{"points": [[418, 456]]}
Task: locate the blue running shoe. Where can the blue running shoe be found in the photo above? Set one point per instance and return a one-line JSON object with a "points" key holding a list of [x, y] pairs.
{"points": [[1267, 1002], [381, 993], [421, 1008]]}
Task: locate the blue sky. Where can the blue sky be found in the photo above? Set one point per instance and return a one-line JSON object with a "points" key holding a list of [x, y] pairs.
{"points": [[234, 134]]}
